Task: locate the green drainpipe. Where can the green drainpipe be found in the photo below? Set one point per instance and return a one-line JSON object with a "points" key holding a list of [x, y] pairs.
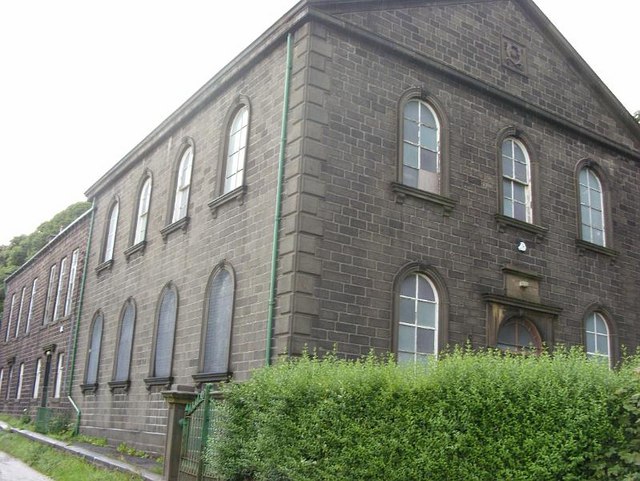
{"points": [[76, 428], [276, 221]]}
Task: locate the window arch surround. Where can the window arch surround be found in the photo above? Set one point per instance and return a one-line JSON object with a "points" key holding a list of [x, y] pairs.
{"points": [[164, 334], [600, 314], [519, 334], [141, 209], [124, 347], [436, 282], [94, 347], [422, 97], [217, 325], [606, 200], [110, 233], [181, 186], [521, 140]]}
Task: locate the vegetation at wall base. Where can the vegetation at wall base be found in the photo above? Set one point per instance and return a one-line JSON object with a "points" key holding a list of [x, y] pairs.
{"points": [[470, 416]]}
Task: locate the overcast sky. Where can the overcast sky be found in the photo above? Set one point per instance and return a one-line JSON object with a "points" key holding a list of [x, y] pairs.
{"points": [[82, 82]]}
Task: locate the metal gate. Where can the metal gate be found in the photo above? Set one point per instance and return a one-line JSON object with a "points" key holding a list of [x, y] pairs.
{"points": [[196, 426]]}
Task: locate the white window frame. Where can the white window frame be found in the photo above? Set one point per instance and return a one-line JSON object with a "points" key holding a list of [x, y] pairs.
{"points": [[587, 226], [47, 300], [512, 181], [9, 381], [183, 185], [142, 218], [72, 282], [59, 373], [112, 228], [63, 271], [13, 305], [20, 378], [1, 379], [236, 155], [595, 334], [36, 379], [19, 320], [422, 179], [34, 287]]}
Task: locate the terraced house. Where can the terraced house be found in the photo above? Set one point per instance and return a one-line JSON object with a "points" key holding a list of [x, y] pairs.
{"points": [[452, 172]]}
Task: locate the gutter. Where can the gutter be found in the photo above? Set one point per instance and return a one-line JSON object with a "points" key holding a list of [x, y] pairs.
{"points": [[85, 269], [277, 215]]}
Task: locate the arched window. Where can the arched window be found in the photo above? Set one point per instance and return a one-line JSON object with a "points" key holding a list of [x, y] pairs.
{"points": [[144, 199], [49, 297], [592, 222], [219, 315], [236, 150], [19, 319], [421, 166], [183, 185], [72, 281], [93, 353], [36, 379], [9, 382], [13, 305], [519, 335], [110, 234], [418, 315], [516, 180], [20, 377], [58, 302], [165, 333], [57, 391], [597, 336], [125, 343], [34, 290]]}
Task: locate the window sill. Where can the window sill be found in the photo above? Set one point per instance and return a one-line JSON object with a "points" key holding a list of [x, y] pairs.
{"points": [[402, 191], [202, 378], [582, 246], [105, 266], [237, 193], [177, 225], [139, 247], [119, 387], [89, 388], [504, 221], [158, 381]]}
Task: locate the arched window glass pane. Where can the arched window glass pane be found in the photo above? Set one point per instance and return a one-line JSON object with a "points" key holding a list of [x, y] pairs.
{"points": [[597, 336], [591, 208], [125, 344], [236, 150], [58, 304], [36, 381], [421, 147], [94, 351], [143, 211], [20, 376], [34, 290], [13, 305], [516, 183], [418, 319], [111, 233], [218, 334], [519, 335], [183, 183], [165, 335]]}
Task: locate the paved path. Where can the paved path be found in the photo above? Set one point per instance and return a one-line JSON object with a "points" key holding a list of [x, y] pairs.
{"points": [[12, 469]]}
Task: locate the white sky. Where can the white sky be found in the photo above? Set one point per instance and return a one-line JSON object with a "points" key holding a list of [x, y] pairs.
{"points": [[82, 82]]}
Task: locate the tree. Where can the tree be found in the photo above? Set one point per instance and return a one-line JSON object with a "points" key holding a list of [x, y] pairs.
{"points": [[22, 247]]}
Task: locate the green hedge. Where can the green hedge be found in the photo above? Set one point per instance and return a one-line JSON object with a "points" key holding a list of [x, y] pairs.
{"points": [[468, 417]]}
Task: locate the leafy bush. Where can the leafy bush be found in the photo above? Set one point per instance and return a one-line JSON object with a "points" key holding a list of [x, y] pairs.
{"points": [[469, 416]]}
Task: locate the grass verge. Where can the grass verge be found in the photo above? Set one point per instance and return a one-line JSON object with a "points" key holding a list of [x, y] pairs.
{"points": [[56, 464]]}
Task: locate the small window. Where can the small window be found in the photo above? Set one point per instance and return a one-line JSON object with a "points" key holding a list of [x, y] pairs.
{"points": [[58, 304], [516, 180], [13, 305], [519, 335], [19, 320], [72, 282], [20, 377], [597, 336], [93, 355], [34, 287], [236, 150], [125, 343], [217, 336], [144, 200], [591, 208], [49, 298], [165, 333], [421, 166], [183, 184], [417, 338], [59, 372], [110, 234], [36, 379]]}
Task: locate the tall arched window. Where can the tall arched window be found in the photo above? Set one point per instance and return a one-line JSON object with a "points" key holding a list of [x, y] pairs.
{"points": [[418, 315], [236, 150], [519, 335], [167, 312], [592, 222], [58, 302], [219, 315], [49, 297], [36, 379], [34, 290], [516, 180], [144, 199], [110, 234], [183, 185], [13, 305], [20, 377], [421, 166], [597, 336], [93, 354], [125, 343]]}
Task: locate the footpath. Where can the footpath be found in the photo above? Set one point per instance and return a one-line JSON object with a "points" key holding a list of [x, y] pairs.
{"points": [[106, 457]]}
